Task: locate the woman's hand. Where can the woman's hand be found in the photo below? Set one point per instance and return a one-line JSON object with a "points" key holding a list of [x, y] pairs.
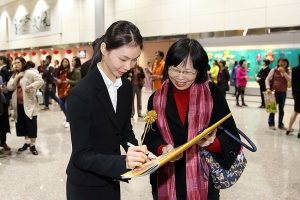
{"points": [[169, 148], [28, 88], [20, 75], [58, 81], [209, 139], [136, 156], [258, 78], [281, 69], [3, 88], [65, 93]]}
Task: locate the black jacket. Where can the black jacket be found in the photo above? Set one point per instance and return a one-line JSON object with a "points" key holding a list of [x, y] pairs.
{"points": [[179, 133], [97, 131], [263, 73], [49, 73], [224, 78], [5, 78], [296, 80], [85, 68]]}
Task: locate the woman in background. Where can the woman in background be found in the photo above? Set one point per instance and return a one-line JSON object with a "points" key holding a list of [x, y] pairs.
{"points": [[24, 83], [261, 79], [223, 77], [281, 76], [233, 77], [215, 71], [241, 82], [63, 87], [148, 72], [75, 75]]}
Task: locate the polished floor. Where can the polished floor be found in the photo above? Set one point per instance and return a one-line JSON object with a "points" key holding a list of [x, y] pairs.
{"points": [[273, 172]]}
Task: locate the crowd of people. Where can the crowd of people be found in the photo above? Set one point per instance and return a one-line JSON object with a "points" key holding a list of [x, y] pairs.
{"points": [[94, 99]]}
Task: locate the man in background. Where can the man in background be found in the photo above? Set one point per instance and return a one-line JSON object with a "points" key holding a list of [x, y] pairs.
{"points": [[157, 72]]}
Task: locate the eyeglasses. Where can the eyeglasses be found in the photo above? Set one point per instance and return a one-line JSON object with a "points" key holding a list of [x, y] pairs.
{"points": [[176, 72], [17, 62]]}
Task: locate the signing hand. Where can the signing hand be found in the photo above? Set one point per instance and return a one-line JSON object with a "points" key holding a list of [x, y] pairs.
{"points": [[136, 156], [209, 139], [169, 148], [58, 81]]}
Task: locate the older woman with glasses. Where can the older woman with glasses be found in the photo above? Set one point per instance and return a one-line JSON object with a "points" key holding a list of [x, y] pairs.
{"points": [[187, 103]]}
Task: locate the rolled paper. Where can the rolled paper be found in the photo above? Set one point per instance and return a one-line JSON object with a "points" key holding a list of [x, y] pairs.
{"points": [[149, 118]]}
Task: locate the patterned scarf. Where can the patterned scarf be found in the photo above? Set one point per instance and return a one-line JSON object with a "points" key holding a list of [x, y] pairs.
{"points": [[200, 108]]}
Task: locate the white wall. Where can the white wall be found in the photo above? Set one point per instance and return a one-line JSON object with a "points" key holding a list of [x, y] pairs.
{"points": [[75, 24], [170, 17]]}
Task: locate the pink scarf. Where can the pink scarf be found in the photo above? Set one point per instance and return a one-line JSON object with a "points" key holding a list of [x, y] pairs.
{"points": [[200, 108]]}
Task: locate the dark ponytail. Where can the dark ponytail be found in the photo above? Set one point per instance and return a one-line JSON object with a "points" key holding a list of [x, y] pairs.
{"points": [[120, 33]]}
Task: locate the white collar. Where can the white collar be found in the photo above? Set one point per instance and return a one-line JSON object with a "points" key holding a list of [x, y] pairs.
{"points": [[107, 81]]}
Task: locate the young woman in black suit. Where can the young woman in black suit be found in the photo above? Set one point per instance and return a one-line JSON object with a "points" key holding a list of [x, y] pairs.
{"points": [[99, 110]]}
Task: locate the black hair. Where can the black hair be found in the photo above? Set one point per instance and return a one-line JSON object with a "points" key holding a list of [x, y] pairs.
{"points": [[78, 62], [266, 61], [241, 62], [180, 51], [24, 65], [216, 63], [5, 60], [235, 63], [160, 53], [283, 60], [30, 64], [223, 62], [208, 67], [57, 62], [49, 57], [95, 43], [62, 68], [120, 33]]}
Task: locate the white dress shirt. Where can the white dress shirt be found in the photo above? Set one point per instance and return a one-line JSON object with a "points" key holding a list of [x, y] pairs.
{"points": [[111, 87]]}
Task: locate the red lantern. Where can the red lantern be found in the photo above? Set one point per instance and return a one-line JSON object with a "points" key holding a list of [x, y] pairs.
{"points": [[8, 55], [24, 54], [16, 54], [44, 52], [69, 51], [33, 53], [55, 52]]}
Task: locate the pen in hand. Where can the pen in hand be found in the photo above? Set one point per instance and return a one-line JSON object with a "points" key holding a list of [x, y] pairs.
{"points": [[150, 155]]}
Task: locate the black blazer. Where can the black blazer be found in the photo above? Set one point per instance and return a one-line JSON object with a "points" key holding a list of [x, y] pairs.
{"points": [[97, 131], [224, 77], [85, 68], [263, 74], [179, 133], [295, 80]]}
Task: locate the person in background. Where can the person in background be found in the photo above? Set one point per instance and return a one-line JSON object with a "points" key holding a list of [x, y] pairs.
{"points": [[6, 74], [233, 77], [63, 87], [48, 75], [136, 76], [4, 117], [23, 83], [41, 67], [185, 104], [11, 66], [86, 65], [296, 97], [99, 110], [157, 71], [148, 72], [209, 76], [214, 70], [280, 75], [32, 67], [75, 75], [223, 77], [261, 79], [241, 82]]}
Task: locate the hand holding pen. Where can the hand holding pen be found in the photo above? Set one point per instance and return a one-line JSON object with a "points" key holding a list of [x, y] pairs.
{"points": [[136, 156]]}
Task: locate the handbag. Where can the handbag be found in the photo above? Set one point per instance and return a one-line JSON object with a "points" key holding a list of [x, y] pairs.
{"points": [[39, 97], [221, 177]]}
